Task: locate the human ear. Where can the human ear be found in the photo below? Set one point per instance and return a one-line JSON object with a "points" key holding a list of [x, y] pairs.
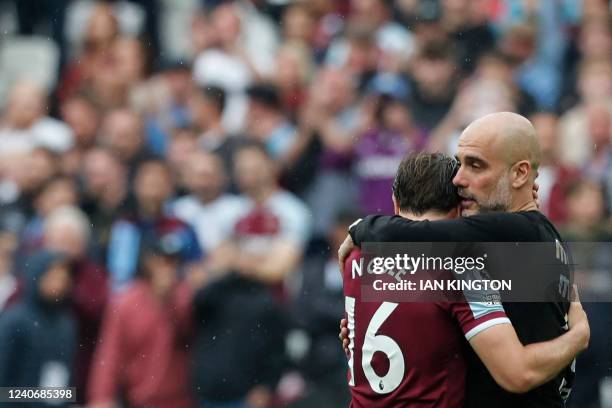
{"points": [[396, 209], [520, 174]]}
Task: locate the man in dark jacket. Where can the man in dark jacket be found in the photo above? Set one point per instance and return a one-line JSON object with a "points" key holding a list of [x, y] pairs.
{"points": [[317, 304], [38, 334], [238, 353]]}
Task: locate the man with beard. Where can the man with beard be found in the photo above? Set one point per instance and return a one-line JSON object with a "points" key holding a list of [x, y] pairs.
{"points": [[424, 340], [498, 156]]}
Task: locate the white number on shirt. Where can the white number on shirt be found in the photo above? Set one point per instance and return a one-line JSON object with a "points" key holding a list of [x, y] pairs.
{"points": [[373, 343]]}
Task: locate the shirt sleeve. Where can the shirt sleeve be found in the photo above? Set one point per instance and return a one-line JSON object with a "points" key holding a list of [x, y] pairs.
{"points": [[491, 227], [476, 317], [107, 365], [296, 222], [123, 249]]}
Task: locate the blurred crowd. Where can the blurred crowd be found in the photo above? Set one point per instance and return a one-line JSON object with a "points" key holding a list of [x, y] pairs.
{"points": [[176, 176]]}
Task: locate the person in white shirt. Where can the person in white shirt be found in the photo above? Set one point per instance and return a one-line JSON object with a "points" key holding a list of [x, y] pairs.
{"points": [[241, 48], [269, 238], [25, 124], [210, 212]]}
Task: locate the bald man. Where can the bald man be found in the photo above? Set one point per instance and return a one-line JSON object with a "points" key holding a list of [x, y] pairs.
{"points": [[499, 156]]}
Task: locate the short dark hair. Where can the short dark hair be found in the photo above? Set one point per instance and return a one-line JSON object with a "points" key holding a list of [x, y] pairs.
{"points": [[438, 52], [266, 94], [216, 95], [153, 161], [248, 144], [424, 182]]}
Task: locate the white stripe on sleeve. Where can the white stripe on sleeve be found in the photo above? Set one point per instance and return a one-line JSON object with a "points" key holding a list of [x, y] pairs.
{"points": [[485, 325]]}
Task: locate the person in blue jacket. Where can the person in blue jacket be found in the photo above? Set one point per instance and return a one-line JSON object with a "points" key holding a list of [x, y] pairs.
{"points": [[38, 333]]}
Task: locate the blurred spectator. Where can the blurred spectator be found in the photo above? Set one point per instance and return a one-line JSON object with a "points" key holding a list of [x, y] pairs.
{"points": [[599, 166], [318, 302], [41, 354], [207, 209], [269, 237], [594, 41], [24, 177], [382, 147], [232, 59], [239, 344], [237, 304], [104, 197], [82, 116], [329, 18], [41, 166], [147, 221], [248, 31], [207, 105], [131, 60], [554, 178], [112, 67], [294, 69], [433, 84], [67, 230], [466, 21], [594, 83], [535, 43], [123, 133], [133, 64], [163, 102], [143, 355], [101, 29], [259, 37], [490, 89], [266, 122], [425, 18], [120, 73], [394, 40], [595, 89], [184, 143], [586, 213], [597, 162], [84, 119], [206, 108], [57, 192], [8, 282], [299, 23], [331, 118], [357, 53], [25, 125]]}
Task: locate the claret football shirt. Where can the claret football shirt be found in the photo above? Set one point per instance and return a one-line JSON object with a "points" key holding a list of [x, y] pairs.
{"points": [[533, 321], [410, 354]]}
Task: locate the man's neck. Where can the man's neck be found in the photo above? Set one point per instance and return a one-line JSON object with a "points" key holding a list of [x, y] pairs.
{"points": [[150, 212], [207, 198], [263, 194], [527, 206], [215, 128], [524, 202], [113, 195]]}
